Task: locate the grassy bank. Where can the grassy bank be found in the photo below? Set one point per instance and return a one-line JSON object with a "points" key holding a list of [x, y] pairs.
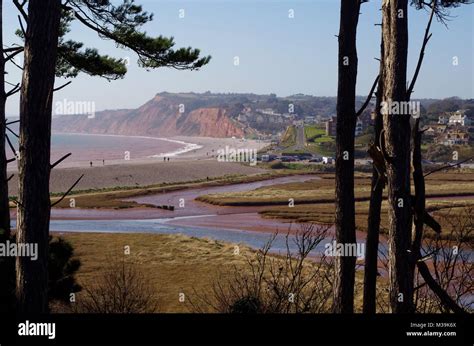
{"points": [[289, 137], [322, 191], [173, 264], [314, 200], [113, 198]]}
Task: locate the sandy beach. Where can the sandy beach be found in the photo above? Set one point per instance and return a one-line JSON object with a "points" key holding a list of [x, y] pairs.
{"points": [[120, 149], [190, 158], [140, 174]]}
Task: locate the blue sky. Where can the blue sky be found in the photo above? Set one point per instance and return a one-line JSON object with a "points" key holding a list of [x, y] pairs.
{"points": [[277, 54]]}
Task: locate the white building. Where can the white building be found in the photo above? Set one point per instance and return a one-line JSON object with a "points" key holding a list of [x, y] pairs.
{"points": [[359, 127], [442, 120], [459, 117]]}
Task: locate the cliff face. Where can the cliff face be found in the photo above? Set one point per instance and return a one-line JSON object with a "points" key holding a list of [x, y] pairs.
{"points": [[162, 116]]}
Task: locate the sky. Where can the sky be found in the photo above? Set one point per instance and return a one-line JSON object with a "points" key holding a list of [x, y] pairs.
{"points": [[277, 54]]}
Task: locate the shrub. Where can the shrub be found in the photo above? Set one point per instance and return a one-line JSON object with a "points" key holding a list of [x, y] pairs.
{"points": [[291, 283], [122, 288], [277, 165]]}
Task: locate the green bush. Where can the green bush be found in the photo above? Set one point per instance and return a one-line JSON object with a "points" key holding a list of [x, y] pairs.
{"points": [[277, 165], [62, 268]]}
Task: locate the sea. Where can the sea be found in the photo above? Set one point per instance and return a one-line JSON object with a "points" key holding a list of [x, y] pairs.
{"points": [[87, 148]]}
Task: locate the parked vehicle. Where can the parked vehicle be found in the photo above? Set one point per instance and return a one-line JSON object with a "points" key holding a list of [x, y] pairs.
{"points": [[327, 160]]}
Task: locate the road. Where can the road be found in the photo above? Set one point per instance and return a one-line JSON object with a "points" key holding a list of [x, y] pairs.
{"points": [[300, 138]]}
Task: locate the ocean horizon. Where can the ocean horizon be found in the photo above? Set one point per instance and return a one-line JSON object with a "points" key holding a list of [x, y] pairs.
{"points": [[94, 148]]}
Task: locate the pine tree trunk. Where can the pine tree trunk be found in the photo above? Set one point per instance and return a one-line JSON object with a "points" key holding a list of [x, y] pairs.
{"points": [[4, 206], [373, 232], [397, 139], [375, 207], [35, 141], [7, 297], [346, 122]]}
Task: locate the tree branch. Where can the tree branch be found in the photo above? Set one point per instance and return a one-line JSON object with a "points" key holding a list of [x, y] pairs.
{"points": [[18, 203], [426, 38], [13, 122], [22, 27], [60, 160], [448, 166], [14, 54], [62, 86], [12, 49], [13, 132], [369, 97], [21, 8], [11, 145], [67, 192], [14, 63], [13, 91], [443, 296]]}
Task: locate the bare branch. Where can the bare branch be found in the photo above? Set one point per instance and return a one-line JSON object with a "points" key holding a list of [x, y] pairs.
{"points": [[60, 160], [13, 132], [67, 192], [10, 145], [12, 49], [13, 122], [369, 97], [448, 166], [14, 63], [22, 27], [62, 86], [14, 54], [21, 8], [18, 203], [426, 38], [444, 297], [13, 91], [11, 176]]}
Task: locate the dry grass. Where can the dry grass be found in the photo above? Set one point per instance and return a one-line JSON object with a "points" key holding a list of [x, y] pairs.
{"points": [[113, 198], [322, 191], [323, 213], [173, 264], [314, 200]]}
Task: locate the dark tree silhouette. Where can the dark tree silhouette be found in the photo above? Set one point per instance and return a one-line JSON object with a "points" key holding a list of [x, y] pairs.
{"points": [[404, 241], [397, 152], [41, 42], [344, 279], [375, 204], [119, 23]]}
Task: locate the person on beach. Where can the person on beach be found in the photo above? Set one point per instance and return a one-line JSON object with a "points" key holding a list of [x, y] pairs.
{"points": [[91, 163]]}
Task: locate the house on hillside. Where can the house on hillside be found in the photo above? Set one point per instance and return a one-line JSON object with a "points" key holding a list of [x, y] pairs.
{"points": [[331, 127], [360, 127], [459, 117], [309, 120], [453, 137], [443, 119], [431, 132]]}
